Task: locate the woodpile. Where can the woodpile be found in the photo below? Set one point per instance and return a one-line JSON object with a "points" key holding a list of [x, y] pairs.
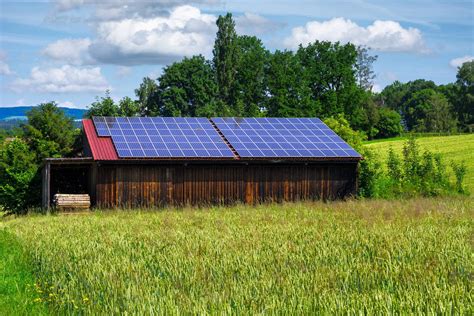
{"points": [[72, 201]]}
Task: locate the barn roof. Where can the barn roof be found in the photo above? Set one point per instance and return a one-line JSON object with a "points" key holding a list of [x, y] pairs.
{"points": [[180, 138], [102, 148]]}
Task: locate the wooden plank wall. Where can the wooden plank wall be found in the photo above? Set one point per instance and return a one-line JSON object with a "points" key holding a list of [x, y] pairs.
{"points": [[159, 185]]}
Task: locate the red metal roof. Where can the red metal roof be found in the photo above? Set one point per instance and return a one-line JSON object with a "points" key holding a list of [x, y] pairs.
{"points": [[102, 148]]}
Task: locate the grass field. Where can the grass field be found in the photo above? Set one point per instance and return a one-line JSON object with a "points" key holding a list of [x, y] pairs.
{"points": [[453, 148], [364, 257]]}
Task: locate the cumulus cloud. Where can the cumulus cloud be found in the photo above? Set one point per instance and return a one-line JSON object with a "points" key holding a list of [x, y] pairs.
{"points": [[252, 24], [381, 35], [62, 80], [72, 51], [160, 40], [120, 9], [457, 62]]}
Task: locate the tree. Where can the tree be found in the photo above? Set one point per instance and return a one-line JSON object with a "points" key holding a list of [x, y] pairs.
{"points": [[364, 69], [49, 132], [105, 106], [329, 69], [19, 177], [289, 94], [188, 88], [464, 105], [389, 123], [225, 60], [428, 111], [250, 77], [128, 107], [147, 97]]}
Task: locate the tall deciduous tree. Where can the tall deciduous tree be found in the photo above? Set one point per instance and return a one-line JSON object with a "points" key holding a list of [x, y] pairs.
{"points": [[49, 132], [225, 60], [465, 101], [329, 68], [188, 88], [147, 97], [289, 94], [103, 106], [364, 68], [250, 78]]}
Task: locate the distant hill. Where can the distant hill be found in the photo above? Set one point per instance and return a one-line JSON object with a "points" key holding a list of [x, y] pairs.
{"points": [[19, 112]]}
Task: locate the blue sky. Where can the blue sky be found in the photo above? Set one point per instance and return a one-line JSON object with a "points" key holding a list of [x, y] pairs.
{"points": [[70, 51]]}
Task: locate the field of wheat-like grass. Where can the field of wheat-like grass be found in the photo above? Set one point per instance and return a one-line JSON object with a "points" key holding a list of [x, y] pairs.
{"points": [[369, 257]]}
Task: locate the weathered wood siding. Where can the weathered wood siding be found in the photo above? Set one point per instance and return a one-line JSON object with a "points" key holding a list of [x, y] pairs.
{"points": [[158, 185]]}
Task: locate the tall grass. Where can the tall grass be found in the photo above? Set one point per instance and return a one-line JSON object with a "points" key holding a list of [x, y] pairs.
{"points": [[366, 257]]}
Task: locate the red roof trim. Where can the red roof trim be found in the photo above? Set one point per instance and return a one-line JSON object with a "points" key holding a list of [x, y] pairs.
{"points": [[102, 148]]}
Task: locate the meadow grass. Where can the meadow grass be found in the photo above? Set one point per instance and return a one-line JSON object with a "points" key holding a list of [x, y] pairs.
{"points": [[459, 148], [17, 290], [364, 257]]}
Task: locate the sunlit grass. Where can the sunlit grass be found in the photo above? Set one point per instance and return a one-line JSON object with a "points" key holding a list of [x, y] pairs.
{"points": [[367, 257]]}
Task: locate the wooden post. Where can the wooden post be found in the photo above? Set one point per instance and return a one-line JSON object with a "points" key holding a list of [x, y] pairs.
{"points": [[46, 186]]}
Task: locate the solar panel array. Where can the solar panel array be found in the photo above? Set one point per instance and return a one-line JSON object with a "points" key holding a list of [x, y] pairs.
{"points": [[174, 137], [163, 137], [283, 137]]}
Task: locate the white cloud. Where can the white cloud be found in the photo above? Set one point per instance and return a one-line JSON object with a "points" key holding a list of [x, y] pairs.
{"points": [[252, 24], [121, 9], [4, 68], [457, 62], [61, 80], [68, 104], [160, 40], [381, 35], [72, 51]]}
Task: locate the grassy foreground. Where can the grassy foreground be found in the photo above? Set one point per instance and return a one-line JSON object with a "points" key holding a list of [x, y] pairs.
{"points": [[459, 148], [17, 290], [368, 257]]}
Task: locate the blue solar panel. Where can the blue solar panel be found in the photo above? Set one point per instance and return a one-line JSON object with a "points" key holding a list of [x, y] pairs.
{"points": [[283, 137], [163, 137]]}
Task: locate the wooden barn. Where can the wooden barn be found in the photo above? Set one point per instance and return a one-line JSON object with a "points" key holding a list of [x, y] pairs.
{"points": [[157, 161]]}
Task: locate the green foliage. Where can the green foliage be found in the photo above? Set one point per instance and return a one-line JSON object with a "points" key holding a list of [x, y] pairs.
{"points": [[329, 70], [460, 171], [103, 106], [341, 127], [147, 97], [250, 77], [369, 166], [418, 173], [19, 176], [364, 68], [188, 88], [358, 257], [226, 60], [464, 103], [289, 94], [49, 132], [388, 124], [128, 107]]}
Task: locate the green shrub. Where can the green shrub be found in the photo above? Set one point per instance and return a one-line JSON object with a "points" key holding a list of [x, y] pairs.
{"points": [[19, 177], [418, 173]]}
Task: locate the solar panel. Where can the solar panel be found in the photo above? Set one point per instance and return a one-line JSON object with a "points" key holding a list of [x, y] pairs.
{"points": [[283, 137], [163, 137]]}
